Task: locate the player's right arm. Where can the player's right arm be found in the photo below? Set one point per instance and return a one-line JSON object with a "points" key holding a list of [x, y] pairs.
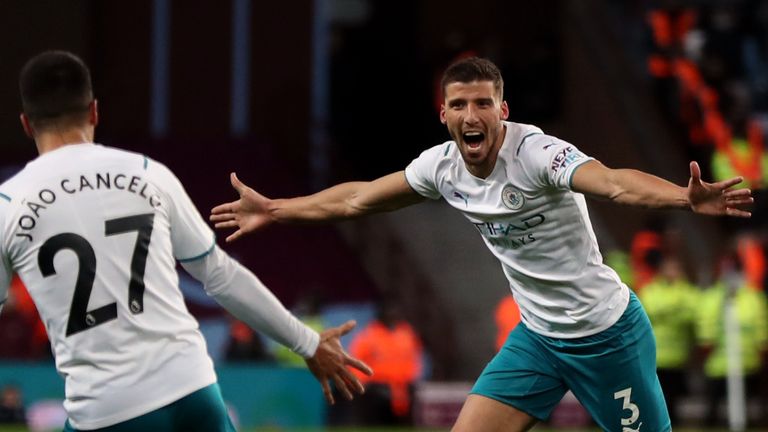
{"points": [[243, 295], [344, 201]]}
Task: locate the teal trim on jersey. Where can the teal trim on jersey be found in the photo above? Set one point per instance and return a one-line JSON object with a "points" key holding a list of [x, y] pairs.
{"points": [[570, 178], [146, 161], [523, 141], [183, 260], [448, 147], [5, 197]]}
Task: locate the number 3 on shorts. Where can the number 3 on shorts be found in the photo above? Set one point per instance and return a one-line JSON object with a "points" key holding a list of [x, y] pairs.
{"points": [[626, 394]]}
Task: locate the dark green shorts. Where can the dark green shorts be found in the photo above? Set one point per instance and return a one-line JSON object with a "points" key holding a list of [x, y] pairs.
{"points": [[201, 411], [612, 374]]}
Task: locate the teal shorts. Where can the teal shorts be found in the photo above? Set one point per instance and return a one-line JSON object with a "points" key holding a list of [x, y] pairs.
{"points": [[612, 374], [201, 411]]}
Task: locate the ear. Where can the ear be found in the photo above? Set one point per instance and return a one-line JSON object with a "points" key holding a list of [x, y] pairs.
{"points": [[93, 112], [442, 114], [26, 126], [504, 110]]}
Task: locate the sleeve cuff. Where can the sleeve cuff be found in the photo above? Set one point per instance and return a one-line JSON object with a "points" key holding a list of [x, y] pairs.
{"points": [[308, 344]]}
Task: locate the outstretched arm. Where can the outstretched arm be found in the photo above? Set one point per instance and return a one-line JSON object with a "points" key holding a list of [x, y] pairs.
{"points": [[242, 294], [632, 187], [344, 201]]}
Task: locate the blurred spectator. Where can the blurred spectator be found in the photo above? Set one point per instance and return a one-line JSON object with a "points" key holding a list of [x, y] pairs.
{"points": [[391, 347], [507, 317], [751, 254], [739, 140], [244, 343], [669, 25], [23, 333], [12, 405], [750, 309], [646, 248], [670, 300], [620, 262]]}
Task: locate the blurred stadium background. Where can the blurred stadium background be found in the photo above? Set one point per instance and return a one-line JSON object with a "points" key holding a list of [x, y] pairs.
{"points": [[295, 96]]}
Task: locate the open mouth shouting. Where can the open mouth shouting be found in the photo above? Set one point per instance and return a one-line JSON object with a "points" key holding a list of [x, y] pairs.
{"points": [[473, 139]]}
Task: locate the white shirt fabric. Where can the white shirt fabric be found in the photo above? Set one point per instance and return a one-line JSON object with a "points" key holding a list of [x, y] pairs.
{"points": [[83, 226], [535, 225]]}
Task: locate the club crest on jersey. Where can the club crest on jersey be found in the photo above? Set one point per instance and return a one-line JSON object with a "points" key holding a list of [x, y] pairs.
{"points": [[512, 198]]}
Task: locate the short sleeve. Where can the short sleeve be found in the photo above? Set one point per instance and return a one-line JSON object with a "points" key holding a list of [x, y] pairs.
{"points": [[191, 237], [552, 160], [421, 173]]}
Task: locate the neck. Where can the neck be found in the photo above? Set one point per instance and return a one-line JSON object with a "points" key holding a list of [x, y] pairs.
{"points": [[53, 139]]}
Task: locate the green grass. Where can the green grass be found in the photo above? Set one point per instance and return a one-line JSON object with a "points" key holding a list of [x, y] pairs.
{"points": [[387, 429], [382, 429]]}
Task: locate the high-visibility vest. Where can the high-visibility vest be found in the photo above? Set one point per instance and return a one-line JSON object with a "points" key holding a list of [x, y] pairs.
{"points": [[670, 306], [395, 356], [507, 317], [642, 243], [751, 312], [737, 156]]}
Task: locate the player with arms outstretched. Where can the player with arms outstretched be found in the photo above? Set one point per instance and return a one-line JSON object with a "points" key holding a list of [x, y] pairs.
{"points": [[95, 232], [582, 329]]}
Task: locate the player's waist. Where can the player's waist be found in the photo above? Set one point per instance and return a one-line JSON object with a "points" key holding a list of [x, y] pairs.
{"points": [[100, 399], [571, 317]]}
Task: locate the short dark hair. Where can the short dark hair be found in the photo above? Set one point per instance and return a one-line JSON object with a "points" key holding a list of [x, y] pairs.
{"points": [[55, 86], [473, 69]]}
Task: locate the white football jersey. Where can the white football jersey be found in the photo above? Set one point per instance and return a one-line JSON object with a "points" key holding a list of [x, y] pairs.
{"points": [[94, 233], [535, 225]]}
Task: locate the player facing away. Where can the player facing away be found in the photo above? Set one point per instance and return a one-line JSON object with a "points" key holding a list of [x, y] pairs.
{"points": [[95, 232], [582, 329]]}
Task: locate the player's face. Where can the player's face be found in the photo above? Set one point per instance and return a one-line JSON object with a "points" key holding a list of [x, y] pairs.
{"points": [[473, 113]]}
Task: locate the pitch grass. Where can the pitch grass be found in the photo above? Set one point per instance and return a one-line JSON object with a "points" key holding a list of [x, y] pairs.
{"points": [[384, 429]]}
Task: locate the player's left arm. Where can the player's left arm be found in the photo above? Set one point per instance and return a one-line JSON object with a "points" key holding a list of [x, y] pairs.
{"points": [[637, 188]]}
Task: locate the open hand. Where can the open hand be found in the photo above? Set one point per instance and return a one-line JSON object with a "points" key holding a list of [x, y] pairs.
{"points": [[330, 364], [247, 214], [717, 198]]}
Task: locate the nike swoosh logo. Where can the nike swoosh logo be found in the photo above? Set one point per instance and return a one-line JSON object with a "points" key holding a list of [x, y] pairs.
{"points": [[548, 146]]}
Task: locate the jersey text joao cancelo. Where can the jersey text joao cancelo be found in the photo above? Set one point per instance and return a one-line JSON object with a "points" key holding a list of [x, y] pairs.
{"points": [[79, 184]]}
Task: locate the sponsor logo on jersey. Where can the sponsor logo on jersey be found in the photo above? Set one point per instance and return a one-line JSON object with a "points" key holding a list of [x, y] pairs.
{"points": [[565, 158], [461, 196], [510, 235], [512, 198]]}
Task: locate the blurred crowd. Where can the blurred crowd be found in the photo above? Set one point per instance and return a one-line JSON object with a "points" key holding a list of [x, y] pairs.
{"points": [[709, 64], [699, 326]]}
